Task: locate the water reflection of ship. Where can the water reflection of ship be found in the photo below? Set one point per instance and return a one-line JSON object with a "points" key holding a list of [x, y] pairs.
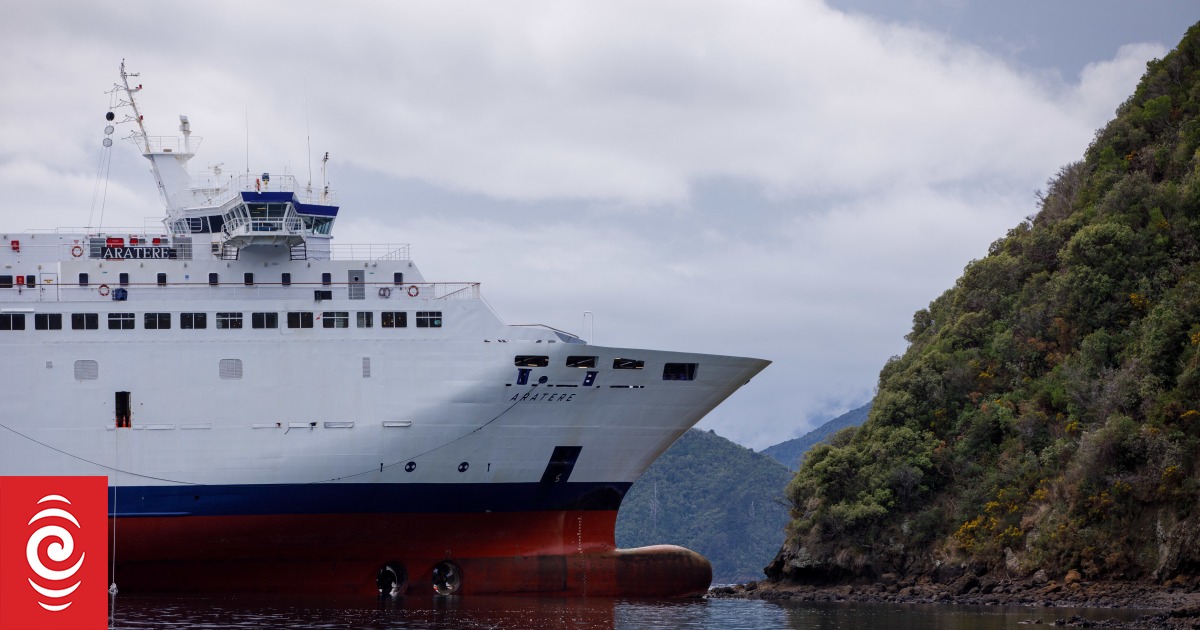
{"points": [[279, 413]]}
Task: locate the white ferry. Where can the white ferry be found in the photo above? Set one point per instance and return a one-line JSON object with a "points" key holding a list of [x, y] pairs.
{"points": [[277, 413]]}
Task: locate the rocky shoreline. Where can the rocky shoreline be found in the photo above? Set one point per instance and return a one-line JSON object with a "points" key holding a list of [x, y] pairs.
{"points": [[1176, 603]]}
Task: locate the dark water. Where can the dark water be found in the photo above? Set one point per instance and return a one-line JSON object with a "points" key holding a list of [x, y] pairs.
{"points": [[537, 613]]}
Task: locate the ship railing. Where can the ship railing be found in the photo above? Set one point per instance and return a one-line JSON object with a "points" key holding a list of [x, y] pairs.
{"points": [[33, 251], [172, 144], [241, 225], [368, 251], [152, 227], [195, 293], [211, 191]]}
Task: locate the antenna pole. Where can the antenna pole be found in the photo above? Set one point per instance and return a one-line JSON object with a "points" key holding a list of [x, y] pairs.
{"points": [[308, 137], [247, 139]]}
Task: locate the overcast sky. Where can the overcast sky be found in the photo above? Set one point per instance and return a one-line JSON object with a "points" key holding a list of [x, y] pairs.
{"points": [[787, 180]]}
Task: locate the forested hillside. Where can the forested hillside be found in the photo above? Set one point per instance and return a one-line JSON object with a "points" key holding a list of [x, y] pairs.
{"points": [[713, 496], [1046, 414], [789, 452]]}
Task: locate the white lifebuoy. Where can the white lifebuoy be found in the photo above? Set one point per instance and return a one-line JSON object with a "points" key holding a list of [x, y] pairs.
{"points": [[385, 292], [413, 291], [77, 251], [104, 290]]}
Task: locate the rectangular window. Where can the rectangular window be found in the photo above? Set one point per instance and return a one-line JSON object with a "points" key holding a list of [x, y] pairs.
{"points": [[6, 282], [300, 320], [429, 319], [679, 372], [531, 361], [393, 319], [31, 281], [83, 279], [319, 295], [264, 320], [47, 321], [286, 279], [335, 319], [214, 279], [628, 364], [162, 279], [365, 319], [248, 278], [157, 321], [123, 279], [326, 279], [581, 362], [398, 278], [85, 321], [12, 321], [229, 320], [120, 321], [193, 321]]}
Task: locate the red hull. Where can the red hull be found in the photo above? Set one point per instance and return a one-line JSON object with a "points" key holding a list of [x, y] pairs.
{"points": [[562, 552]]}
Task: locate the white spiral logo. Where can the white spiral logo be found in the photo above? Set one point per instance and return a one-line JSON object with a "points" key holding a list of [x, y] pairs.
{"points": [[58, 551]]}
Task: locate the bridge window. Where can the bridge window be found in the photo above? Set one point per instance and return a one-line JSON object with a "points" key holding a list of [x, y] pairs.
{"points": [[429, 319], [229, 320], [628, 364], [393, 319], [531, 361]]}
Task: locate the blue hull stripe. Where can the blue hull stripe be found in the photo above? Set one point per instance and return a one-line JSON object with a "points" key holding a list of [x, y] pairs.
{"points": [[362, 498]]}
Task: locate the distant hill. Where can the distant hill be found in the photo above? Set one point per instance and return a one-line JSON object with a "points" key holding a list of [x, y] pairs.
{"points": [[713, 496], [788, 453]]}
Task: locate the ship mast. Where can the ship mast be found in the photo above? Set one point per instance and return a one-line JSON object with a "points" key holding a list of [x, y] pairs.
{"points": [[167, 163]]}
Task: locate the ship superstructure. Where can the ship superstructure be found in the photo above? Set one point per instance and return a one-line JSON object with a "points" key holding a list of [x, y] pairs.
{"points": [[275, 412]]}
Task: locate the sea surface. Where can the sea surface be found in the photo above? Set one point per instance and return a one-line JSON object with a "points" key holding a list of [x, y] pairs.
{"points": [[536, 613]]}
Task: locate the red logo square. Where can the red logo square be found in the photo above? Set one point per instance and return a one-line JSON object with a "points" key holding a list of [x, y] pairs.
{"points": [[53, 553]]}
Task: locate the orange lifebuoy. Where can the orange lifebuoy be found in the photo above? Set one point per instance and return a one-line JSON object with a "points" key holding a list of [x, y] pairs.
{"points": [[104, 290], [77, 251], [413, 291]]}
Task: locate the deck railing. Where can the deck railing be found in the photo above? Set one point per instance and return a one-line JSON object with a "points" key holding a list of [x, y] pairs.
{"points": [[198, 293]]}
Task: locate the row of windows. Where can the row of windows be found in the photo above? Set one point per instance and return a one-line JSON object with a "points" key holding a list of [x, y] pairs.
{"points": [[522, 360], [671, 371], [190, 321], [6, 282]]}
